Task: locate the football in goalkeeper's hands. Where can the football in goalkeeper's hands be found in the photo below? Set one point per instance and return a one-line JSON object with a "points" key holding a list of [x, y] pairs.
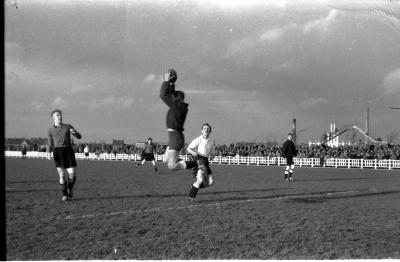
{"points": [[173, 76]]}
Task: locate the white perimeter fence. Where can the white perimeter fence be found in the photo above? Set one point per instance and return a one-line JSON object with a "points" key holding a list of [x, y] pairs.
{"points": [[240, 160]]}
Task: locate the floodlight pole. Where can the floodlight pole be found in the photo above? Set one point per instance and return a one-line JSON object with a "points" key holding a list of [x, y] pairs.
{"points": [[294, 130], [367, 124]]}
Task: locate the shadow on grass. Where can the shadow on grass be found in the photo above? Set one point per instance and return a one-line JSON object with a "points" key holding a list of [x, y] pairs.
{"points": [[30, 190], [315, 197], [182, 195], [32, 182], [12, 190], [323, 198], [312, 197], [335, 179]]}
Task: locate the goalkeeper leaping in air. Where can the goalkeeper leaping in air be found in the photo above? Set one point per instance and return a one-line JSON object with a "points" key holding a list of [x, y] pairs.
{"points": [[175, 119]]}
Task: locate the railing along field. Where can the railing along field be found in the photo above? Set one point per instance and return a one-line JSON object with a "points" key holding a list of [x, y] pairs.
{"points": [[239, 160]]}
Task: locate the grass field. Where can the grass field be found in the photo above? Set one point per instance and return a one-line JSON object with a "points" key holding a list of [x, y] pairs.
{"points": [[120, 212]]}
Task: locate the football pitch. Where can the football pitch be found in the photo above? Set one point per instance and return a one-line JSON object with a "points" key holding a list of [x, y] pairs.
{"points": [[122, 212]]}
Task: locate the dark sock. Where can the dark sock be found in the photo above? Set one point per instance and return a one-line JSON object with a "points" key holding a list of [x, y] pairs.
{"points": [[64, 189], [193, 192], [155, 169], [191, 164], [71, 183]]}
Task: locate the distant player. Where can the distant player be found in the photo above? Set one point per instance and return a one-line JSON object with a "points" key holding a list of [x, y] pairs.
{"points": [[23, 151], [59, 141], [201, 148], [86, 152], [289, 151], [175, 119], [148, 154]]}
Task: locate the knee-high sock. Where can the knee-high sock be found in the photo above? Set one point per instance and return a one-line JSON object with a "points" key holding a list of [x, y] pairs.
{"points": [[64, 191], [193, 191], [291, 170], [287, 171], [71, 182]]}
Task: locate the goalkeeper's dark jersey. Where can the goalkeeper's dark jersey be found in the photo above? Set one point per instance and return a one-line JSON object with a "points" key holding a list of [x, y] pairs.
{"points": [[149, 148], [177, 111], [289, 149], [59, 136]]}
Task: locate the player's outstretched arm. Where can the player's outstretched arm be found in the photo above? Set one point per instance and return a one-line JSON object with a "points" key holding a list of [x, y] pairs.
{"points": [[166, 91]]}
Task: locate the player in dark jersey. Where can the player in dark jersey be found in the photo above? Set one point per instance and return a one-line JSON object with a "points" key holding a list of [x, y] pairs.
{"points": [[148, 154], [59, 141], [289, 151], [175, 119], [23, 152]]}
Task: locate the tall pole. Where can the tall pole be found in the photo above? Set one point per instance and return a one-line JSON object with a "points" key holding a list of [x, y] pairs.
{"points": [[367, 124], [294, 130]]}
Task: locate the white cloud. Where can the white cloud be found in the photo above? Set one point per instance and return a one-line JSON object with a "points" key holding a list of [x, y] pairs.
{"points": [[286, 66], [152, 82], [35, 105], [263, 42], [112, 102], [149, 79], [81, 88], [312, 103], [241, 4], [203, 91], [391, 83], [239, 47], [271, 35], [59, 102], [243, 45], [17, 73], [13, 49], [321, 24], [106, 102], [126, 103]]}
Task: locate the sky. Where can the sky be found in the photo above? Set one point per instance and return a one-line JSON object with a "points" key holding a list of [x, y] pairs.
{"points": [[247, 67]]}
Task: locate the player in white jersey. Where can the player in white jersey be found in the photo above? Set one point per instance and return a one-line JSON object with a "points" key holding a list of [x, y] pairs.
{"points": [[86, 151], [202, 148]]}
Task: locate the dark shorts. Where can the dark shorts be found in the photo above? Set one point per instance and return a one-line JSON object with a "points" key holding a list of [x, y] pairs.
{"points": [[64, 157], [148, 156], [289, 160], [86, 154], [204, 164], [176, 140]]}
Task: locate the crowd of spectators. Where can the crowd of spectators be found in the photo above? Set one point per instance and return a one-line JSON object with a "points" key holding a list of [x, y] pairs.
{"points": [[377, 151], [384, 151]]}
